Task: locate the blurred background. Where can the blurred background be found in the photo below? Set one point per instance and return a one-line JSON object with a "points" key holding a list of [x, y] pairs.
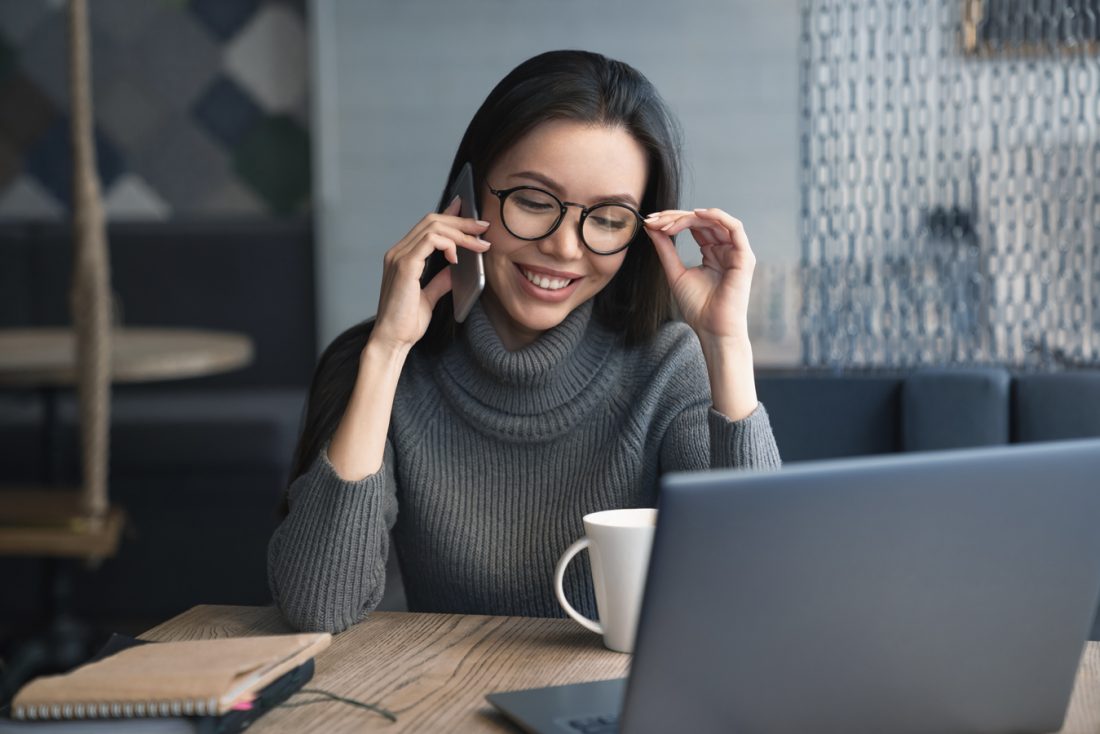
{"points": [[348, 114], [918, 180], [256, 158]]}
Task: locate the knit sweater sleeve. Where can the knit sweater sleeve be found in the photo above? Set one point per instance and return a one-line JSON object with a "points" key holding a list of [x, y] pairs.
{"points": [[327, 560], [746, 444], [698, 436], [702, 438]]}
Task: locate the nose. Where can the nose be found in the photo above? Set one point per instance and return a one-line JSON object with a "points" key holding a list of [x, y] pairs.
{"points": [[565, 243]]}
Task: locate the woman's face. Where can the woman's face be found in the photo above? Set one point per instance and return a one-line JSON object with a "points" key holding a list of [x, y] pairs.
{"points": [[577, 163]]}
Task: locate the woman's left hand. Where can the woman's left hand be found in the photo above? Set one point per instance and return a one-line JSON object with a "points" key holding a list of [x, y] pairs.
{"points": [[713, 297]]}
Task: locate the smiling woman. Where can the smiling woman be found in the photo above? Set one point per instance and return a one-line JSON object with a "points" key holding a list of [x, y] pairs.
{"points": [[569, 389], [534, 282]]}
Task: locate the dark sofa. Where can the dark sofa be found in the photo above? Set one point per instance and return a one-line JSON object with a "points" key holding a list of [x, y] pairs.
{"points": [[820, 414], [197, 464]]}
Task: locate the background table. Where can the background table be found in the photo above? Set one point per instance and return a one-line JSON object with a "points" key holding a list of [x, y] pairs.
{"points": [[46, 357], [433, 670]]}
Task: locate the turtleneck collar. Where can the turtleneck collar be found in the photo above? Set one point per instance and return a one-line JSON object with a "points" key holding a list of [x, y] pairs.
{"points": [[543, 387]]}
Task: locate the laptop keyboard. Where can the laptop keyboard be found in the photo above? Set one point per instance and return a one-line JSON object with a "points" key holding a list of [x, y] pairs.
{"points": [[608, 724]]}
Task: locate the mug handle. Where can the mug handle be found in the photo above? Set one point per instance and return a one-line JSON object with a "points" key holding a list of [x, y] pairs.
{"points": [[559, 576]]}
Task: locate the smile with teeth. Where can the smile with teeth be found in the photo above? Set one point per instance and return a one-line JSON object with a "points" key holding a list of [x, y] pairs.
{"points": [[542, 281]]}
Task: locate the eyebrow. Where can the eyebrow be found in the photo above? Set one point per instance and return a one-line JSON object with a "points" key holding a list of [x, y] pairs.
{"points": [[557, 189]]}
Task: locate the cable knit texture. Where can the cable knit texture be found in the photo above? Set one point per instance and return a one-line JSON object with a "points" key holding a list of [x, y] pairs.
{"points": [[493, 458]]}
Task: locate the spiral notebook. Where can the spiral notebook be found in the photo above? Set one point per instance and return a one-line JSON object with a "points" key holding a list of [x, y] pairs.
{"points": [[237, 720], [184, 678]]}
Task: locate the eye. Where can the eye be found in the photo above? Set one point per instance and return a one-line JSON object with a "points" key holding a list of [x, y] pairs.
{"points": [[531, 204], [608, 223]]}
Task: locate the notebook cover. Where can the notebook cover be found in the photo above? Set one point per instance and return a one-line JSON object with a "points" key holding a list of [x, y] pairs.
{"points": [[203, 680], [229, 723]]}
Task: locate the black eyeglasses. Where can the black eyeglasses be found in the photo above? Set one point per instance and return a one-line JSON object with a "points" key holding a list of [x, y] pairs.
{"points": [[531, 213]]}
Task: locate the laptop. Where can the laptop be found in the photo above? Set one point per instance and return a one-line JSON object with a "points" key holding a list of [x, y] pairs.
{"points": [[939, 592]]}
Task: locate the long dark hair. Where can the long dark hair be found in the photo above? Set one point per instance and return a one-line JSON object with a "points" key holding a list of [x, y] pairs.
{"points": [[558, 85]]}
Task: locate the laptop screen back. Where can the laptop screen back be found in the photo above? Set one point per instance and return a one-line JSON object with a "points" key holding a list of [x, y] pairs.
{"points": [[946, 592]]}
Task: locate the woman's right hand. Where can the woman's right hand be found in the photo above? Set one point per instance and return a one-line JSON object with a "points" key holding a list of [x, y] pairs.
{"points": [[404, 308]]}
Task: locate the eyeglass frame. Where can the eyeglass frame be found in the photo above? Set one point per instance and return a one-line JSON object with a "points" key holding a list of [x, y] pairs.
{"points": [[503, 194]]}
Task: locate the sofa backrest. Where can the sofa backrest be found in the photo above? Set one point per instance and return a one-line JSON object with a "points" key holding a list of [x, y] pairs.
{"points": [[955, 408], [822, 415], [1052, 407], [827, 415]]}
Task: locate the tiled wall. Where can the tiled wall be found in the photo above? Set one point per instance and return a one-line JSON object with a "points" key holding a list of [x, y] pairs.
{"points": [[201, 108]]}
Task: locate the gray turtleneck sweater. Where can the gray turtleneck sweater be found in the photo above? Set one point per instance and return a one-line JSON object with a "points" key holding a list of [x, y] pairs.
{"points": [[492, 459]]}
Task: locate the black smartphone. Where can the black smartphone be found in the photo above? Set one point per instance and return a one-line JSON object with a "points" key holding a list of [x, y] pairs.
{"points": [[468, 276]]}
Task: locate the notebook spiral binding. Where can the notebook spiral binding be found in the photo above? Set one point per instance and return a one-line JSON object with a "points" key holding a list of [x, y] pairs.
{"points": [[115, 710]]}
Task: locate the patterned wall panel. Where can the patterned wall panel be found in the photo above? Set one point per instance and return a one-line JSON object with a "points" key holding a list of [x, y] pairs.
{"points": [[950, 182], [201, 108]]}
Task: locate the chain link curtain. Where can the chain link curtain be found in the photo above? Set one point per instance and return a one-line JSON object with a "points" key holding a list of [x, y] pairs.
{"points": [[949, 159]]}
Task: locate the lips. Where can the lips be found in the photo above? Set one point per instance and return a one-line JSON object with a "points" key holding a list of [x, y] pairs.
{"points": [[544, 281], [547, 285]]}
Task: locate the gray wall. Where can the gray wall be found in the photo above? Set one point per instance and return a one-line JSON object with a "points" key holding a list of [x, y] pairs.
{"points": [[395, 84]]}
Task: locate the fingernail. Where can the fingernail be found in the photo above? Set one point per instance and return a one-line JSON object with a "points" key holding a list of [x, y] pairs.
{"points": [[701, 210], [456, 199], [653, 215], [484, 242], [483, 223]]}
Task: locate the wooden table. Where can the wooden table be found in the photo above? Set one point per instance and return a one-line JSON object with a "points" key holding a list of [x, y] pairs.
{"points": [[433, 670]]}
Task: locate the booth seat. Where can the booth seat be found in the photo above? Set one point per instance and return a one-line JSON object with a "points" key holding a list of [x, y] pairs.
{"points": [[1052, 407], [824, 415], [831, 414]]}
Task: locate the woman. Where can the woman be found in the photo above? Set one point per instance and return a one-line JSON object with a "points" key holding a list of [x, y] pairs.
{"points": [[567, 390]]}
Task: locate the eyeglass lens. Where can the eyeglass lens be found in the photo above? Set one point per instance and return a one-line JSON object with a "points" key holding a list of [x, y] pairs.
{"points": [[534, 214]]}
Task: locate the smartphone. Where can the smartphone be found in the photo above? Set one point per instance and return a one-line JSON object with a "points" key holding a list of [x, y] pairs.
{"points": [[468, 275]]}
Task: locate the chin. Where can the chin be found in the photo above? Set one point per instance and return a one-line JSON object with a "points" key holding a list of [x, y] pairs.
{"points": [[543, 318]]}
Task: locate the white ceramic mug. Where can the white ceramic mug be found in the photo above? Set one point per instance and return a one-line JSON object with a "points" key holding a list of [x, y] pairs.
{"points": [[618, 543]]}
